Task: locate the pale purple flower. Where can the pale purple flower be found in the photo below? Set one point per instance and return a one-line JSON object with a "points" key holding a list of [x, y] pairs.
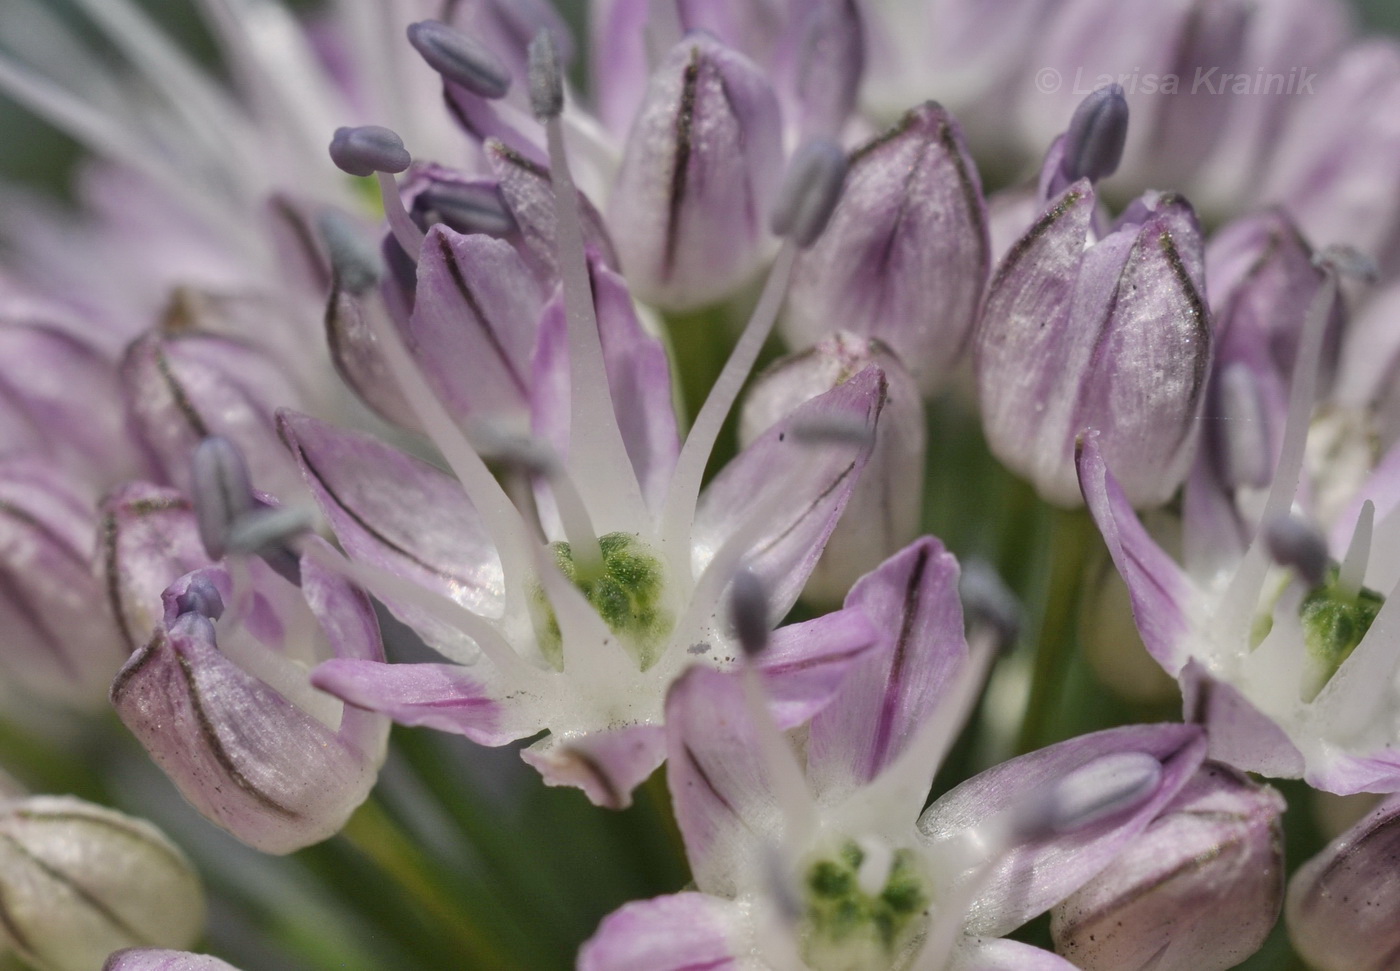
{"points": [[784, 853], [160, 959]]}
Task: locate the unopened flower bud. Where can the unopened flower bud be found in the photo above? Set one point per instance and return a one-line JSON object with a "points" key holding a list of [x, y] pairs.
{"points": [[905, 256], [698, 177], [1199, 890], [1113, 338], [883, 513], [223, 702], [159, 959], [78, 881], [1343, 903]]}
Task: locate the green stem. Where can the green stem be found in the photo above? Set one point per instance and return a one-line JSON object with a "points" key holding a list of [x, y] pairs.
{"points": [[1072, 540]]}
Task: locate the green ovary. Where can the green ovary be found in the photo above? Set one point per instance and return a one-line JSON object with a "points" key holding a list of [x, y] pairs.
{"points": [[626, 592], [1334, 623], [847, 928]]}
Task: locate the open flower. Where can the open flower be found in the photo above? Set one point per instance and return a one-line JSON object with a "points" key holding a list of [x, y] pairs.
{"points": [[832, 864]]}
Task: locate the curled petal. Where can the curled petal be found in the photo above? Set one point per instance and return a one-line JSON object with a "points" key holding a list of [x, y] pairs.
{"points": [[606, 765], [680, 932]]}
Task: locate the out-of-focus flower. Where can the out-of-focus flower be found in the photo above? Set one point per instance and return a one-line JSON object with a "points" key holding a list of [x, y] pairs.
{"points": [[833, 864], [1342, 903], [79, 881], [160, 959], [1200, 890], [883, 512]]}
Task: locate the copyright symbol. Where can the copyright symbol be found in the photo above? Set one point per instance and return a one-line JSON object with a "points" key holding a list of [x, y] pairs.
{"points": [[1047, 80]]}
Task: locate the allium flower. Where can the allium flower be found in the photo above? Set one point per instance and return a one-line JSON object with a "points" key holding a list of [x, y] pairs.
{"points": [[159, 959], [1293, 669], [833, 864]]}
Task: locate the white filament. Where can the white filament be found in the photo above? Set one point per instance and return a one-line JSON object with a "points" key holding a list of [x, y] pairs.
{"points": [[405, 230], [1353, 569]]}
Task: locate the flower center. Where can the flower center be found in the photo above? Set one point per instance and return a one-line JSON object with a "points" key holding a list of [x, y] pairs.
{"points": [[1335, 620], [627, 592], [860, 911]]}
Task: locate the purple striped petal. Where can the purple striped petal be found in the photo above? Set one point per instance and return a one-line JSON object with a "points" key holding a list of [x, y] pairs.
{"points": [[679, 932], [805, 664], [998, 954], [808, 483], [1159, 590], [607, 766], [912, 599], [1240, 734]]}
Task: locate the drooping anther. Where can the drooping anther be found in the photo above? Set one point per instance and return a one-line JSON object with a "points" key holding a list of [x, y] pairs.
{"points": [[1347, 261], [1297, 544], [222, 491], [267, 529], [368, 149], [460, 59], [748, 611], [201, 597], [832, 430], [1103, 788], [1094, 141], [988, 602], [810, 192], [546, 77], [354, 260], [467, 208]]}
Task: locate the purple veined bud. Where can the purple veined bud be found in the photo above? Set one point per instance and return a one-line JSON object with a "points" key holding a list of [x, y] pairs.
{"points": [[91, 434], [160, 959], [460, 59], [698, 177], [905, 256], [61, 639], [882, 515], [80, 881], [1115, 337], [1199, 890], [184, 387], [368, 149], [1342, 903], [222, 700]]}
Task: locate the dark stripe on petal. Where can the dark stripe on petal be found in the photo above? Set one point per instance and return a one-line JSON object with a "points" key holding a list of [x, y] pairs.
{"points": [[465, 290], [685, 122], [890, 703]]}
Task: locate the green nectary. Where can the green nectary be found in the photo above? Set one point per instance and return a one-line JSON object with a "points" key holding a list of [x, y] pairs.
{"points": [[845, 924], [1335, 621], [628, 593]]}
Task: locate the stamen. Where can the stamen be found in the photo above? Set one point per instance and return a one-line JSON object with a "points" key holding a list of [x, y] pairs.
{"points": [[1296, 544], [1353, 570], [401, 224], [201, 597], [876, 864], [810, 192], [221, 492], [1094, 141], [1242, 436], [546, 78], [804, 209], [468, 208], [833, 430], [268, 529], [989, 606], [597, 455], [368, 149], [460, 59], [509, 533], [354, 262]]}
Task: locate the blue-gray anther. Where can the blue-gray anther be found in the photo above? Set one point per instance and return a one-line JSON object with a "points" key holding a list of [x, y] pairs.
{"points": [[546, 77], [460, 59], [354, 260], [810, 192], [201, 597], [467, 208], [221, 490], [748, 611], [1296, 544], [1093, 144], [1243, 454], [1105, 787], [988, 601], [369, 149], [265, 532], [1348, 261], [833, 430]]}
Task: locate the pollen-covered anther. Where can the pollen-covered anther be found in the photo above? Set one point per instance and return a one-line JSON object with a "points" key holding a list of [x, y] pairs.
{"points": [[810, 192], [368, 149], [460, 59]]}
